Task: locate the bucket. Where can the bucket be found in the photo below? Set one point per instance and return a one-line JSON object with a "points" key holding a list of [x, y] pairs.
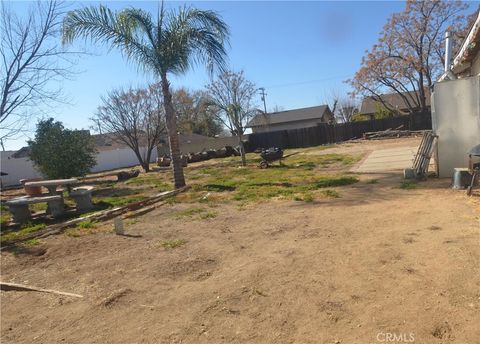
{"points": [[461, 178]]}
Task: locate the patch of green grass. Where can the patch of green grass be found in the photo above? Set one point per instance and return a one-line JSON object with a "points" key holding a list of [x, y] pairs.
{"points": [[331, 193], [37, 207], [330, 181], [407, 185], [306, 197], [73, 232], [219, 187], [23, 231], [131, 222], [87, 224], [31, 243], [82, 228], [188, 212], [171, 200], [118, 201], [307, 165], [171, 244], [275, 184], [154, 179], [5, 218], [211, 171], [201, 213], [208, 215]]}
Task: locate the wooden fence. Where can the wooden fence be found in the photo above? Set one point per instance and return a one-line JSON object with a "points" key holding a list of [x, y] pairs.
{"points": [[332, 133]]}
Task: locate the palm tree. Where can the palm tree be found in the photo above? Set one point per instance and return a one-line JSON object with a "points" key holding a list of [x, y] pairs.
{"points": [[171, 44]]}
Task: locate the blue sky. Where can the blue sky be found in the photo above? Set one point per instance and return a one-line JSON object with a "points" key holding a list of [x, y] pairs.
{"points": [[298, 51]]}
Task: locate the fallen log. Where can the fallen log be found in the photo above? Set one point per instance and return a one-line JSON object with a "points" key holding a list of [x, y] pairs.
{"points": [[21, 287], [125, 175]]}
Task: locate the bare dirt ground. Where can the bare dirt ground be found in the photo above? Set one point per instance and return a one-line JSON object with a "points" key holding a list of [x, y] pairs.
{"points": [[347, 270]]}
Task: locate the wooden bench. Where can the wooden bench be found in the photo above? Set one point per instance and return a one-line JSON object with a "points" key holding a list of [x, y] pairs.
{"points": [[19, 206], [83, 197]]}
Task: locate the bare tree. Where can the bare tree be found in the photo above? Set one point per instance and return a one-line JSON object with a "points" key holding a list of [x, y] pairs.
{"points": [[408, 57], [277, 108], [134, 117], [33, 64], [347, 108], [343, 107], [232, 94], [194, 115]]}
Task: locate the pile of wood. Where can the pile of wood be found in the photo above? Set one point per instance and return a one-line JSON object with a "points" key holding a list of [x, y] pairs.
{"points": [[391, 133], [125, 175], [201, 156]]}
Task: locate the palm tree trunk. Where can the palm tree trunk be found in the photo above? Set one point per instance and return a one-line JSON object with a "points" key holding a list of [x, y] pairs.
{"points": [[171, 122]]}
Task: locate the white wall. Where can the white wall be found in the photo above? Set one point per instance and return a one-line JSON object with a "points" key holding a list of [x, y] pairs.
{"points": [[118, 158], [22, 168], [456, 121], [476, 65]]}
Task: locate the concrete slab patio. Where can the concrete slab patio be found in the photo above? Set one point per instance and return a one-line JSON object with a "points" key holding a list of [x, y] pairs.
{"points": [[387, 160]]}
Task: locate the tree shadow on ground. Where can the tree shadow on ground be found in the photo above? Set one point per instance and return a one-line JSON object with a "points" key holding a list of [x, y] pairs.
{"points": [[380, 187], [115, 192]]}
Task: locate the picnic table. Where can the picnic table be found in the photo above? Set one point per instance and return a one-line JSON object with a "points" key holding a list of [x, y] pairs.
{"points": [[52, 184], [82, 196], [19, 206]]}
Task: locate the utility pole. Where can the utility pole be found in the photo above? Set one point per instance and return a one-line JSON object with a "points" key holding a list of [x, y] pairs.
{"points": [[263, 94]]}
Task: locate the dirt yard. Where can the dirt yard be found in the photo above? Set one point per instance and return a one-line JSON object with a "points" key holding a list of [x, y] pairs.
{"points": [[378, 258]]}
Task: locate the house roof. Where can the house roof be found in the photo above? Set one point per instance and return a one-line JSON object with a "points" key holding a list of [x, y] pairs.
{"points": [[369, 104], [314, 112], [469, 49], [106, 142], [21, 153]]}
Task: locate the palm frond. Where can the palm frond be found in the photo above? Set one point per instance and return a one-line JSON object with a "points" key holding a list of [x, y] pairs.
{"points": [[177, 41], [98, 23], [140, 20], [196, 37], [120, 30]]}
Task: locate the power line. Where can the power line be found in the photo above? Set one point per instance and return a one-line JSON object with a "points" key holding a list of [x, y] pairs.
{"points": [[307, 82]]}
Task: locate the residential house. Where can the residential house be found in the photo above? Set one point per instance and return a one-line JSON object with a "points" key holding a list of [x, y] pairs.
{"points": [[456, 105], [398, 103], [291, 119]]}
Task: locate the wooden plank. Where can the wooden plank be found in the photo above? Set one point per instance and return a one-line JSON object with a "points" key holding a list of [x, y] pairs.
{"points": [[21, 287]]}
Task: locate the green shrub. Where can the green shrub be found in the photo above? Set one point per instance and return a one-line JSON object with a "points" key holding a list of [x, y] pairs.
{"points": [[61, 153]]}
